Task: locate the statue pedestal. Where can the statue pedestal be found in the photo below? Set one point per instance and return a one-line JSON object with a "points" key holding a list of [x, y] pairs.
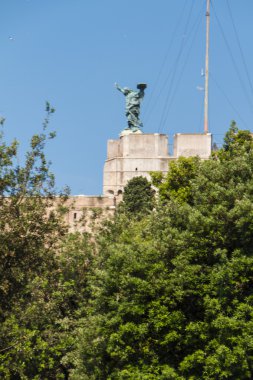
{"points": [[129, 131]]}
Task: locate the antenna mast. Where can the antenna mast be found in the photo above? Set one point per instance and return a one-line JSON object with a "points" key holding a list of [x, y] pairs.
{"points": [[207, 66]]}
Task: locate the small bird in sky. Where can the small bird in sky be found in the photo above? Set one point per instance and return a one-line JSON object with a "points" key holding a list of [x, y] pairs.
{"points": [[11, 38]]}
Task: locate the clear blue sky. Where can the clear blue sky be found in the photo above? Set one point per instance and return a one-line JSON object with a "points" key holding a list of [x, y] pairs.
{"points": [[70, 52]]}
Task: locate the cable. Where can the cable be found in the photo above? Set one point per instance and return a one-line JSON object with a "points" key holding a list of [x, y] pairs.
{"points": [[165, 58], [228, 100], [169, 104], [233, 60], [240, 47], [201, 115], [176, 64]]}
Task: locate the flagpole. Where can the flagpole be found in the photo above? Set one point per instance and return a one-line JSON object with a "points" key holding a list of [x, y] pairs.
{"points": [[207, 67]]}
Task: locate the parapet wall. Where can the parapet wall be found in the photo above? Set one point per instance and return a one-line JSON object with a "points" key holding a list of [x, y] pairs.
{"points": [[192, 144], [134, 155], [86, 211], [130, 156]]}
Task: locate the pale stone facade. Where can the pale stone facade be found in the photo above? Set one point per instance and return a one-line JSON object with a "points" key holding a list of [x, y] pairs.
{"points": [[85, 211], [132, 155], [192, 144]]}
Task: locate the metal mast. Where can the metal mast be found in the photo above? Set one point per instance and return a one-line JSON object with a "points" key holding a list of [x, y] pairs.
{"points": [[207, 66]]}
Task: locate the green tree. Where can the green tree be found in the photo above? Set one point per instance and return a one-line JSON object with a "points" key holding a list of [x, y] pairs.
{"points": [[236, 140], [27, 226], [42, 269], [177, 182], [171, 293], [138, 196]]}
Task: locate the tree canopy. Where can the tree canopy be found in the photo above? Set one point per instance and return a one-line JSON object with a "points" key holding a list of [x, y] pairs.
{"points": [[138, 196], [42, 273], [161, 291], [172, 291]]}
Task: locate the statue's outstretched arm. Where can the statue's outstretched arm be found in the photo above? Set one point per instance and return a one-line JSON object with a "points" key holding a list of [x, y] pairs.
{"points": [[119, 88]]}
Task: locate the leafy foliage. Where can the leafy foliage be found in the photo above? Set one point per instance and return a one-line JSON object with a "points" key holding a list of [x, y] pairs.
{"points": [[168, 292], [172, 292], [42, 272], [177, 183], [138, 196]]}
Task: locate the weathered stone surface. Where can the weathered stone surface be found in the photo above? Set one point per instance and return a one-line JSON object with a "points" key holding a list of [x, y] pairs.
{"points": [[192, 144], [134, 155], [131, 155]]}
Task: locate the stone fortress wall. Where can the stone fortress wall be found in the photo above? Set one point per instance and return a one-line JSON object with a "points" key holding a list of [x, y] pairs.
{"points": [[132, 155]]}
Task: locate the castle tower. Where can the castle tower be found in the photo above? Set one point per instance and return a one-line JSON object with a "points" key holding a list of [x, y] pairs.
{"points": [[138, 154], [134, 154]]}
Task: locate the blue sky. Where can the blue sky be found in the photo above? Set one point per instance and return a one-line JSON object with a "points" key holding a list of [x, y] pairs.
{"points": [[70, 53]]}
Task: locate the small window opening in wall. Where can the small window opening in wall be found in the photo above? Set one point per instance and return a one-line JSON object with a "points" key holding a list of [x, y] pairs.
{"points": [[119, 192], [75, 215], [136, 169]]}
